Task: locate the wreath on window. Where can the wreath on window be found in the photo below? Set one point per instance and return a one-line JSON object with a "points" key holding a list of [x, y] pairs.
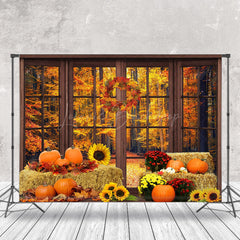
{"points": [[110, 103]]}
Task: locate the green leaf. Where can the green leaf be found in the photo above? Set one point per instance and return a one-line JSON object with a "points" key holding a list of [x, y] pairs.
{"points": [[131, 198]]}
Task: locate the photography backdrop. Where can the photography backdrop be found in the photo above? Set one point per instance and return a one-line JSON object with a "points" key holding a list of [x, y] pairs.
{"points": [[107, 27]]}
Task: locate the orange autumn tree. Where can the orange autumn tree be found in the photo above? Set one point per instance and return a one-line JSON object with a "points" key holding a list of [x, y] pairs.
{"points": [[40, 83]]}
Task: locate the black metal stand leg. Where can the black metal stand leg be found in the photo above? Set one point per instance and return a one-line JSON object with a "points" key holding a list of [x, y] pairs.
{"points": [[38, 207], [235, 192], [9, 201], [5, 193], [230, 196], [202, 207]]}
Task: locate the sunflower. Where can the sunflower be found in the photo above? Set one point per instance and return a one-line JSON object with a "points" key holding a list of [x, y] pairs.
{"points": [[196, 195], [204, 193], [213, 195], [100, 153], [121, 193], [105, 195], [111, 186]]}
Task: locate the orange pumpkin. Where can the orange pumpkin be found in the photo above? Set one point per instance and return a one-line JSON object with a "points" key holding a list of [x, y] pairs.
{"points": [[197, 165], [163, 193], [49, 156], [74, 155], [64, 186], [62, 161], [43, 191], [176, 164]]}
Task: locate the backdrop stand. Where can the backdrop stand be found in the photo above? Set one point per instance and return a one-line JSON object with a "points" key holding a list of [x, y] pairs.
{"points": [[228, 188], [10, 200]]}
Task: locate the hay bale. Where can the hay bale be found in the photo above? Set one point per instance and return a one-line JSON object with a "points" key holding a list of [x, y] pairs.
{"points": [[96, 179], [185, 157], [201, 181]]}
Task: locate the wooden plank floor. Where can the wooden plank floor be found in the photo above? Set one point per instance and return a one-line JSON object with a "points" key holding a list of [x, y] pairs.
{"points": [[119, 220]]}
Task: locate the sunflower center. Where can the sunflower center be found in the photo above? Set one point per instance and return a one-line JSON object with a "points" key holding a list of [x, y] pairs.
{"points": [[213, 196], [106, 196], [110, 188], [196, 195], [120, 193], [99, 155]]}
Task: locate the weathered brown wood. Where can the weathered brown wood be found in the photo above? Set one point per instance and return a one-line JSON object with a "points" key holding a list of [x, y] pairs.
{"points": [[67, 80], [70, 104], [62, 107], [121, 119], [171, 106], [119, 56]]}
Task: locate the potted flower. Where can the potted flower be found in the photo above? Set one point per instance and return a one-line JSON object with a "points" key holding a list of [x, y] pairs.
{"points": [[147, 183], [156, 160], [183, 187]]}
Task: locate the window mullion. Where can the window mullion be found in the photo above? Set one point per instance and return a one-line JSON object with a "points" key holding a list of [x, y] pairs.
{"points": [[42, 117], [147, 110], [94, 106]]}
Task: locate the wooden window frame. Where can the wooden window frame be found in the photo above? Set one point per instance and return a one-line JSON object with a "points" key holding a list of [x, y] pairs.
{"points": [[174, 62]]}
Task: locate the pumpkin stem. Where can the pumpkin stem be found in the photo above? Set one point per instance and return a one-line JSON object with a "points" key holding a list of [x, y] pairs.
{"points": [[72, 147], [48, 149]]}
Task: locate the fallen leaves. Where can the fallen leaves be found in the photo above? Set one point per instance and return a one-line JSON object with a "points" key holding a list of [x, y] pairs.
{"points": [[79, 194]]}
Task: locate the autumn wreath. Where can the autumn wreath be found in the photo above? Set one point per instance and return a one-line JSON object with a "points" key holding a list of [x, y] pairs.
{"points": [[110, 103]]}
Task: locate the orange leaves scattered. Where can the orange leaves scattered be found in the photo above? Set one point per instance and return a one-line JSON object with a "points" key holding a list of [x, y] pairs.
{"points": [[85, 166], [79, 194]]}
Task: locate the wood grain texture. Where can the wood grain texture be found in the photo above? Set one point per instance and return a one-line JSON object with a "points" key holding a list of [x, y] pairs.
{"points": [[70, 221], [117, 222], [140, 227], [187, 222], [19, 223], [206, 218], [47, 222], [162, 222], [94, 221]]}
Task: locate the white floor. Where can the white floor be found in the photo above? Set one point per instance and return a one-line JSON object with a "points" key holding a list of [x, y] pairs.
{"points": [[119, 221]]}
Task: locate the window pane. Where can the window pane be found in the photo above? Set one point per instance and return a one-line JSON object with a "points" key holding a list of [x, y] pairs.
{"points": [[136, 142], [158, 139], [135, 169], [82, 112], [105, 118], [51, 81], [139, 75], [33, 144], [158, 81], [104, 74], [190, 112], [107, 136], [137, 117], [208, 80], [136, 147], [204, 77], [208, 115], [51, 138], [33, 83], [83, 81], [83, 139], [190, 140], [190, 81], [33, 116], [158, 112], [51, 112], [208, 141]]}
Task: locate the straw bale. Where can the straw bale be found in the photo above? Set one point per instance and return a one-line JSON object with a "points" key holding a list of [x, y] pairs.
{"points": [[96, 179], [185, 157]]}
